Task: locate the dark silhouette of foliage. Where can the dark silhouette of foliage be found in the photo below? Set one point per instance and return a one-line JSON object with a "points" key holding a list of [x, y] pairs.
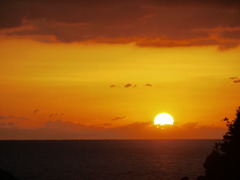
{"points": [[4, 175], [224, 161], [184, 178]]}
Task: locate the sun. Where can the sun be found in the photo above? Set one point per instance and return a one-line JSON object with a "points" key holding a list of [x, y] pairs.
{"points": [[163, 119]]}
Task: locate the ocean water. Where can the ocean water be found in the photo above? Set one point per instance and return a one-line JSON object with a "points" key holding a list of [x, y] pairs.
{"points": [[105, 159]]}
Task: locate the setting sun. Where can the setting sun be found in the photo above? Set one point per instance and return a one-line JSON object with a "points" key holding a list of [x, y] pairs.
{"points": [[163, 119]]}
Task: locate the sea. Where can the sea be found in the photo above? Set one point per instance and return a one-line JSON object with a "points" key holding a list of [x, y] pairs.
{"points": [[105, 159]]}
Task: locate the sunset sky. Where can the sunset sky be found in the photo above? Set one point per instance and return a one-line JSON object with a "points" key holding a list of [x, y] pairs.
{"points": [[103, 69]]}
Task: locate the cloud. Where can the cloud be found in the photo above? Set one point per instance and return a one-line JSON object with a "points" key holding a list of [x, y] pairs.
{"points": [[13, 117], [148, 85], [128, 85], [9, 124], [235, 79], [59, 124], [119, 118], [138, 130], [113, 86], [107, 124], [143, 22], [56, 114], [35, 111]]}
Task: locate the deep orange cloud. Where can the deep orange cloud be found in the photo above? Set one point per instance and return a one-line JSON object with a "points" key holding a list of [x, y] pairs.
{"points": [[145, 23]]}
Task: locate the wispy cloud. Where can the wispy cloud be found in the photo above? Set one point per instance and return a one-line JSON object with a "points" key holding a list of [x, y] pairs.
{"points": [[138, 130], [107, 124], [113, 86], [119, 118], [129, 85], [36, 111], [13, 117], [8, 124], [233, 78], [56, 114]]}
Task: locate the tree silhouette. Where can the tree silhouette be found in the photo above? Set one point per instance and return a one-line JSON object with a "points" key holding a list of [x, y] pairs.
{"points": [[224, 161], [4, 175]]}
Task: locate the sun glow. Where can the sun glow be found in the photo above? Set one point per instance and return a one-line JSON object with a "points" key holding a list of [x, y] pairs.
{"points": [[163, 119]]}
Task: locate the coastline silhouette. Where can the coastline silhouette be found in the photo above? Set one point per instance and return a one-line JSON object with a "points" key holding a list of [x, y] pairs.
{"points": [[223, 162]]}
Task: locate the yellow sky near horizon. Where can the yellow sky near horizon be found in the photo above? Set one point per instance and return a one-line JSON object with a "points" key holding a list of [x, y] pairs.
{"points": [[74, 79]]}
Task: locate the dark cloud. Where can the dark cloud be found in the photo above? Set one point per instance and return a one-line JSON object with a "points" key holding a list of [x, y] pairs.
{"points": [[119, 118], [56, 114], [128, 85], [156, 23], [233, 78], [13, 117], [148, 85], [237, 81]]}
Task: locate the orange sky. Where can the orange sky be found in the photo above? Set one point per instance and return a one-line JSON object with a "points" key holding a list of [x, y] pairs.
{"points": [[83, 74]]}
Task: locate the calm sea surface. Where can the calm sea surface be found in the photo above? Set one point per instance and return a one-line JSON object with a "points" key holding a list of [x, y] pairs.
{"points": [[105, 159]]}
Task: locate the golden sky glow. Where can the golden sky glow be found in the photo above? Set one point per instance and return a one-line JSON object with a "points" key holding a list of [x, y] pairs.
{"points": [[60, 78]]}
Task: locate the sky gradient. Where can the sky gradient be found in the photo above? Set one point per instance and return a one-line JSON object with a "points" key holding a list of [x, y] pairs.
{"points": [[104, 69]]}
